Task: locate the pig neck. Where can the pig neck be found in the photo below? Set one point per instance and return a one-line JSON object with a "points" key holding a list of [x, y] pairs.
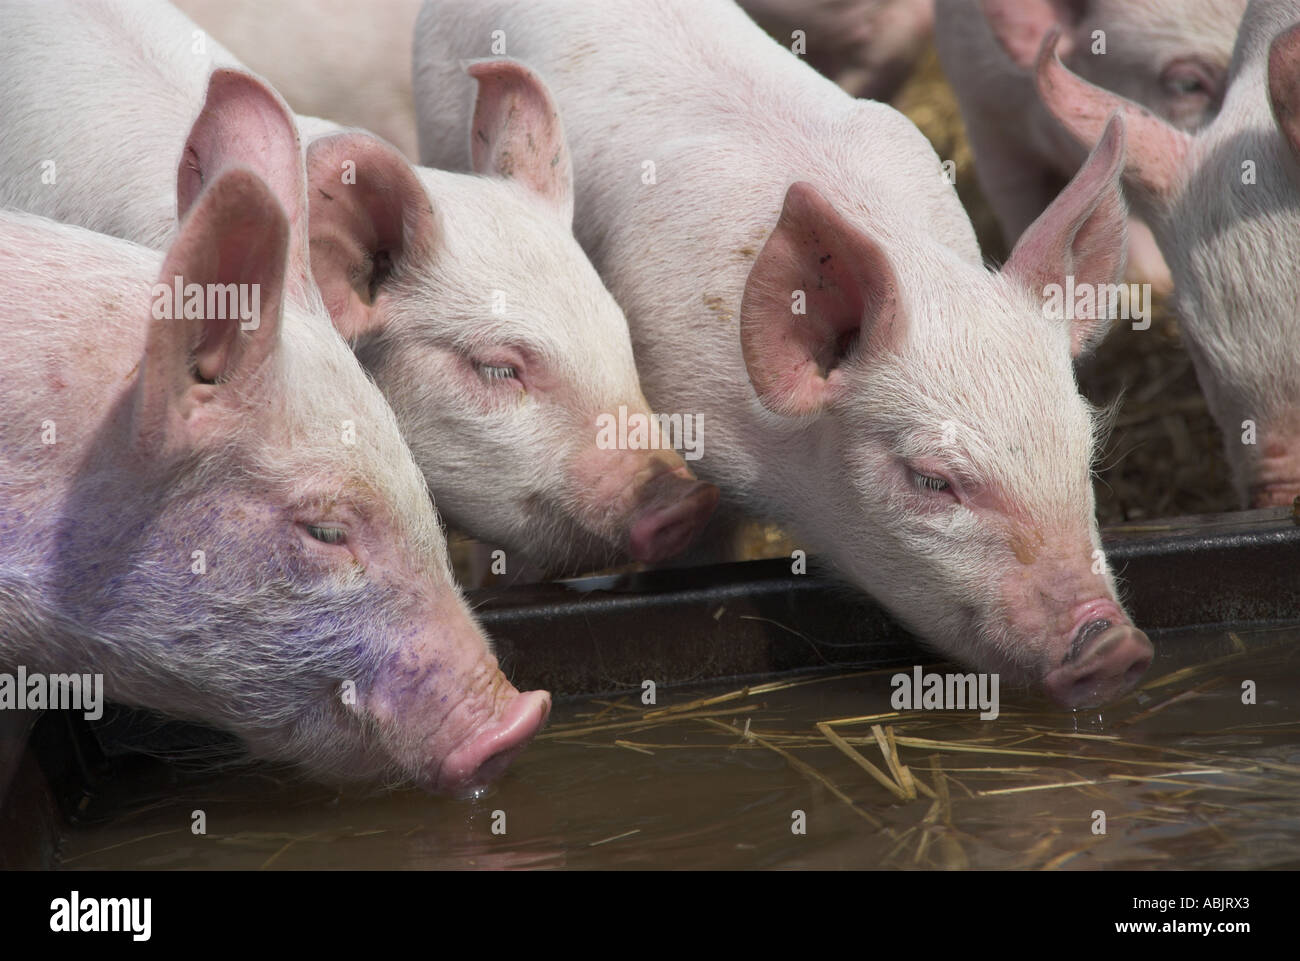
{"points": [[1263, 20]]}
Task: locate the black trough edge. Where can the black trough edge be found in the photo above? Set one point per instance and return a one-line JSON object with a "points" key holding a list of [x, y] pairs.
{"points": [[595, 635]]}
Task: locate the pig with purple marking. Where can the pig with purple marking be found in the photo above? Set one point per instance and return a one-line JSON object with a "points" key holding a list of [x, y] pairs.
{"points": [[794, 264], [219, 515]]}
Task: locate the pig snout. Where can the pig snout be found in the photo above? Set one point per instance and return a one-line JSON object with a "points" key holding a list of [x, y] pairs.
{"points": [[446, 713], [672, 509], [489, 750], [1106, 658], [640, 504]]}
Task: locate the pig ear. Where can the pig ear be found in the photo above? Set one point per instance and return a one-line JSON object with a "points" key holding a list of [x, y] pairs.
{"points": [[819, 291], [369, 215], [517, 133], [245, 123], [1081, 235], [1284, 84], [1156, 153], [235, 234], [1020, 25]]}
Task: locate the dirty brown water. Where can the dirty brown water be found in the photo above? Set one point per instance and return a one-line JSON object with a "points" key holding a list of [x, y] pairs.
{"points": [[1186, 774]]}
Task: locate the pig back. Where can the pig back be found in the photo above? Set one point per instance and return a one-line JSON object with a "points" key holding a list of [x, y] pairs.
{"points": [[686, 125], [108, 102]]}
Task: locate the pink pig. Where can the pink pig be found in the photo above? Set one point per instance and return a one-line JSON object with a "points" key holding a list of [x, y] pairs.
{"points": [[796, 269], [1169, 55], [1225, 208]]}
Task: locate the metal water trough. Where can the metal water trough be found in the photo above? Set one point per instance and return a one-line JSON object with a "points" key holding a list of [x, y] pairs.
{"points": [[677, 626]]}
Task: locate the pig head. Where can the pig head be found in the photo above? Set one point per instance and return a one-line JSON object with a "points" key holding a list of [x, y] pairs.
{"points": [[495, 340], [1169, 55], [969, 509]]}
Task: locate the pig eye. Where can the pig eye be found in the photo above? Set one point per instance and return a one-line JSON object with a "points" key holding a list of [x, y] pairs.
{"points": [[1184, 78], [327, 535], [926, 482], [493, 373], [1184, 83]]}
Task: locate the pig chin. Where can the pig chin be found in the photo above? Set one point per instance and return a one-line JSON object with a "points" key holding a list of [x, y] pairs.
{"points": [[561, 544]]}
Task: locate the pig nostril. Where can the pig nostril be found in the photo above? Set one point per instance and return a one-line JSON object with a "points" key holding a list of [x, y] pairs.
{"points": [[1086, 633], [1105, 665], [486, 757]]}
